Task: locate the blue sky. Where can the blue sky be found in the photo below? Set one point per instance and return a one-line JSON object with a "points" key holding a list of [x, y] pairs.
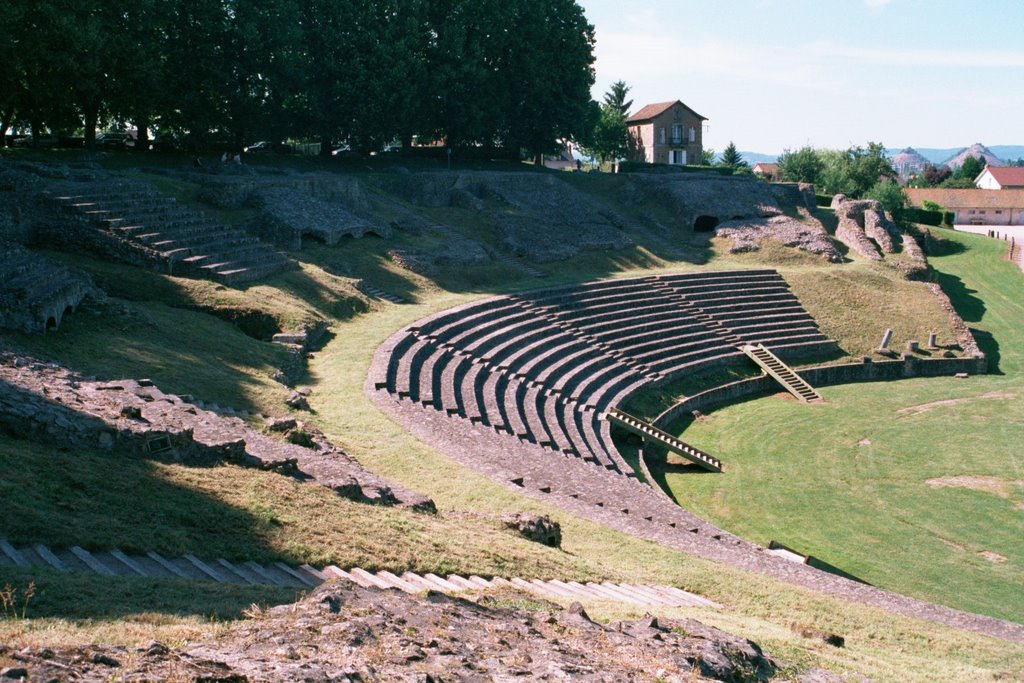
{"points": [[777, 74]]}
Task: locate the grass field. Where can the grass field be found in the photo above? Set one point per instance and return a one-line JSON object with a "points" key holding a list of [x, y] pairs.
{"points": [[915, 486], [198, 338]]}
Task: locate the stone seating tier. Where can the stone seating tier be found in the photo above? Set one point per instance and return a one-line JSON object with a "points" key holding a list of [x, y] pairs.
{"points": [[545, 374], [178, 239]]}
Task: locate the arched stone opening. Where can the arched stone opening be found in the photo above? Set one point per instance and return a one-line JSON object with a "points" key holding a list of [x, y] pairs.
{"points": [[705, 224]]}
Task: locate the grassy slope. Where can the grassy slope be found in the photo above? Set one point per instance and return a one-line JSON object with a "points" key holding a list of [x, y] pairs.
{"points": [[276, 515], [861, 463]]}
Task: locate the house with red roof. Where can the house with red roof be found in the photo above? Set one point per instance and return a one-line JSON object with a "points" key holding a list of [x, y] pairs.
{"points": [[665, 133], [1001, 178], [768, 170], [973, 206]]}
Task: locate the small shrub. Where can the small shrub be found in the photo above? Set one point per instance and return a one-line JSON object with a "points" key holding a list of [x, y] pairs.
{"points": [[9, 603], [923, 216]]}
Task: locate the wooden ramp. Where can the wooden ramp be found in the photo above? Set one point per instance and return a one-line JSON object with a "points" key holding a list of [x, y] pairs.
{"points": [[782, 373], [652, 433]]}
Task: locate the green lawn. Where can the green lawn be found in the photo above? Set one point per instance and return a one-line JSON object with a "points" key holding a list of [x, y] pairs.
{"points": [[916, 486]]}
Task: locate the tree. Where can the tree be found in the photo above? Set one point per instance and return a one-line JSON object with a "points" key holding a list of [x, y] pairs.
{"points": [[869, 166], [610, 138], [854, 171], [549, 59], [616, 97], [891, 196], [465, 71], [933, 175], [802, 166], [732, 158], [970, 169], [707, 156]]}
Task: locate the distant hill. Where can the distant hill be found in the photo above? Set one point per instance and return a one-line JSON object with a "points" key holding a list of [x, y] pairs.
{"points": [[935, 155], [756, 158], [941, 155]]}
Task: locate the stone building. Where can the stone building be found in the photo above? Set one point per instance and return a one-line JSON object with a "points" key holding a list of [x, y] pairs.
{"points": [[665, 133], [974, 207]]}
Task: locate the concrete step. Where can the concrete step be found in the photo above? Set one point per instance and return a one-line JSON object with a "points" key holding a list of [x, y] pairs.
{"points": [[114, 563]]}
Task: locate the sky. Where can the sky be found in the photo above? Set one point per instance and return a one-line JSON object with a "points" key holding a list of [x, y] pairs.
{"points": [[772, 75]]}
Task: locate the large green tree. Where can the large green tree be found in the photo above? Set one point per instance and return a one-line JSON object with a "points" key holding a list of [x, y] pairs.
{"points": [[801, 166], [970, 169], [732, 158], [610, 140], [548, 72], [616, 97], [471, 72], [855, 170]]}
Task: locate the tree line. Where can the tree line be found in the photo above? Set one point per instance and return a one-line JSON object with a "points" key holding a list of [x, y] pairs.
{"points": [[513, 75]]}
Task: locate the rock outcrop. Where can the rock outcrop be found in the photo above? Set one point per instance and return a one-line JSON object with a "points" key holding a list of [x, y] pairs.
{"points": [[537, 528], [864, 227], [46, 403], [806, 234], [343, 632]]}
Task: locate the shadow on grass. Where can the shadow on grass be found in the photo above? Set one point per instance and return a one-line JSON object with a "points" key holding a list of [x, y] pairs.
{"points": [[990, 347], [937, 243], [824, 566], [60, 595], [58, 491], [968, 306], [100, 501]]}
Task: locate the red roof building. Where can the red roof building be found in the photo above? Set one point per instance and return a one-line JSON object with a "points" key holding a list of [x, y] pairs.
{"points": [[1001, 178], [666, 133], [767, 169], [974, 207]]}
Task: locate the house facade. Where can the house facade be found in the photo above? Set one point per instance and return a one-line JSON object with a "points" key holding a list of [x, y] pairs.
{"points": [[974, 207], [768, 170], [1001, 178], [666, 133]]}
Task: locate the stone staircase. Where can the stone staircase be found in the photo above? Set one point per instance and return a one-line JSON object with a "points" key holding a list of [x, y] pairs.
{"points": [[151, 564], [782, 373], [649, 432], [153, 227], [516, 264], [377, 293]]}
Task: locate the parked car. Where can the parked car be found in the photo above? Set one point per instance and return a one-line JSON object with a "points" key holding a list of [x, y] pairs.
{"points": [[116, 140], [45, 140], [261, 146]]}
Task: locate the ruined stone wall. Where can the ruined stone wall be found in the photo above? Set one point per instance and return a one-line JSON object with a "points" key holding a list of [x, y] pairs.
{"points": [[46, 403], [827, 375]]}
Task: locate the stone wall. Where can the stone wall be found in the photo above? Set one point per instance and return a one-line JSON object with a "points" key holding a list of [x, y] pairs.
{"points": [[520, 203], [868, 370], [691, 196], [36, 292]]}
